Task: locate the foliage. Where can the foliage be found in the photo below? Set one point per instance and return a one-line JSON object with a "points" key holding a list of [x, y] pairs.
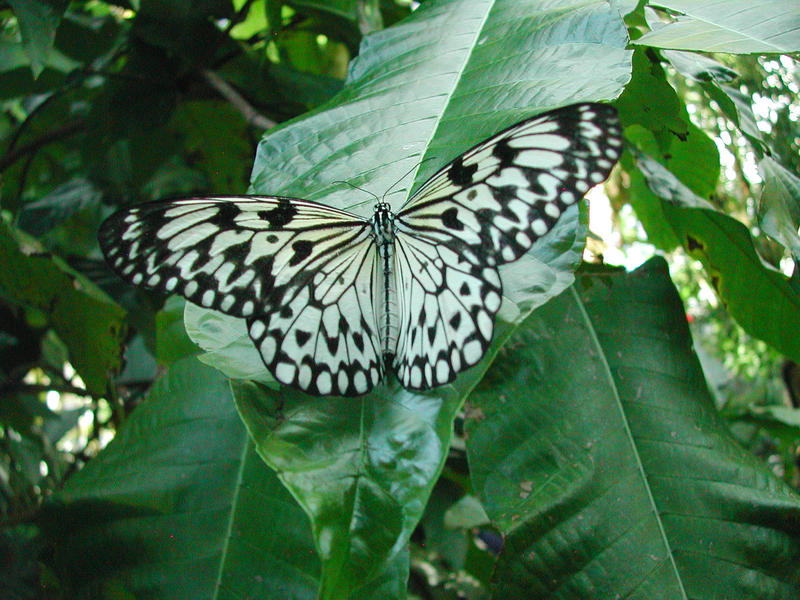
{"points": [[586, 456]]}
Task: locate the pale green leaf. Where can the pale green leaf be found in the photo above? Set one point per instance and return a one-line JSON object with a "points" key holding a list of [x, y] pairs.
{"points": [[779, 210], [761, 299], [734, 26]]}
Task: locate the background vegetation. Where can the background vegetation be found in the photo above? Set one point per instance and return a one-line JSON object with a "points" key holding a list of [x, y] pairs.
{"points": [[636, 437]]}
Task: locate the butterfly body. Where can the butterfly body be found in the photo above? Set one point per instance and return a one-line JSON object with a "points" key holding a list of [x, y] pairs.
{"points": [[383, 233], [333, 300]]}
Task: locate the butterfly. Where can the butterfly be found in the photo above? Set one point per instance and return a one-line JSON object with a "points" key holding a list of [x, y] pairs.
{"points": [[332, 299]]}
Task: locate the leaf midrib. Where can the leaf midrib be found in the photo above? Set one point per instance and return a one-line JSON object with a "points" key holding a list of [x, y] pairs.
{"points": [[234, 506], [456, 80], [629, 435]]}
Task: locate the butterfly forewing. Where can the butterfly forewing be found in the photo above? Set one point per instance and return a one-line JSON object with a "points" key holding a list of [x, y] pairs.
{"points": [[496, 199], [301, 273], [484, 209]]}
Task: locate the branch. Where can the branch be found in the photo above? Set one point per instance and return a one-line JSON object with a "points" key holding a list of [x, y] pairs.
{"points": [[228, 92], [35, 388], [53, 135]]}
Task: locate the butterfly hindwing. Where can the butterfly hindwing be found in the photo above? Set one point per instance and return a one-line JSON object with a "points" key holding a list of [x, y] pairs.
{"points": [[484, 209], [294, 269], [447, 315], [324, 337]]}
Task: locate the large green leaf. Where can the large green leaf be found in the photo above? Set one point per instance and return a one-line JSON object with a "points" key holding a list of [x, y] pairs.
{"points": [[598, 452], [735, 26], [427, 89], [180, 506], [761, 299]]}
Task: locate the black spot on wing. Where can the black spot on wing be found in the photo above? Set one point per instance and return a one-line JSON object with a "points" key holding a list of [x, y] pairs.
{"points": [[226, 213], [450, 219], [301, 337], [432, 334], [281, 215], [358, 340], [455, 321], [505, 153], [302, 250], [460, 174], [332, 343]]}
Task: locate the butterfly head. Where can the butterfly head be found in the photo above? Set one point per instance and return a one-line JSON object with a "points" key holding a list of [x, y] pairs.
{"points": [[383, 222]]}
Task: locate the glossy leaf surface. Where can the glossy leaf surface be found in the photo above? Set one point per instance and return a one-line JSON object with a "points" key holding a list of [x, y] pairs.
{"points": [[735, 26], [363, 468]]}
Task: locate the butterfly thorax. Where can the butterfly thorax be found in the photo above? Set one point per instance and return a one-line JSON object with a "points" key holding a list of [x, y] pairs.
{"points": [[383, 232]]}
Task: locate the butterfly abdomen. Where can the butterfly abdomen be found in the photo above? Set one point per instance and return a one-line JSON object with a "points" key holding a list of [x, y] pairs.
{"points": [[383, 232]]}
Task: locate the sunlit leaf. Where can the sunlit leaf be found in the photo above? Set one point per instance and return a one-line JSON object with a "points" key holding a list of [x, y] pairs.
{"points": [[735, 26], [780, 205], [761, 299]]}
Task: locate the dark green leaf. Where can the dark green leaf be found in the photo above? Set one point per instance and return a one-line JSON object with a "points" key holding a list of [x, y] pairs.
{"points": [[87, 38], [649, 101], [179, 506], [597, 450], [38, 21], [19, 577], [52, 209], [648, 208], [172, 342], [215, 134], [450, 544], [86, 321], [183, 30]]}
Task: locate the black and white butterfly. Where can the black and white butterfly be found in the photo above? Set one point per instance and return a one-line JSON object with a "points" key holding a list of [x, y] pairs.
{"points": [[332, 299]]}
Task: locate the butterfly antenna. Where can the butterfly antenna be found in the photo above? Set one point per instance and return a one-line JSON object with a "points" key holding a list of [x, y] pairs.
{"points": [[416, 166], [355, 187]]}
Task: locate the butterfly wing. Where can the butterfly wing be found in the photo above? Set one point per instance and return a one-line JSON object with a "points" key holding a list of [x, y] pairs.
{"points": [[484, 209], [447, 307], [301, 273]]}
